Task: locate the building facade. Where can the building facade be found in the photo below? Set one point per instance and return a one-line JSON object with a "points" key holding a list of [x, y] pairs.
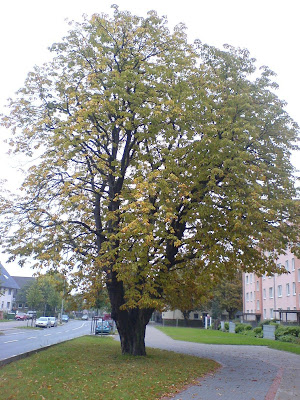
{"points": [[276, 296], [8, 290]]}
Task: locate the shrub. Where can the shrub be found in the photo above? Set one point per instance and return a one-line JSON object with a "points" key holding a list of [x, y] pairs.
{"points": [[240, 328], [281, 331], [287, 338], [258, 332], [268, 322], [226, 326]]}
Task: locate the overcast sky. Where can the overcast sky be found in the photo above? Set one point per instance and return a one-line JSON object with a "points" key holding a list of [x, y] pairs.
{"points": [[270, 29]]}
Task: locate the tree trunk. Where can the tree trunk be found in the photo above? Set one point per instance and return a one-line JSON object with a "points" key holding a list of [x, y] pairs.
{"points": [[186, 315], [131, 324]]}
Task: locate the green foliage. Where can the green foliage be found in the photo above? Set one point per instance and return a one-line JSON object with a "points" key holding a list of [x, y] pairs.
{"points": [[258, 331], [227, 295], [240, 328], [268, 322], [284, 333]]}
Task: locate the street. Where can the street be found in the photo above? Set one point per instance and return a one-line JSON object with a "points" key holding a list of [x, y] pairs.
{"points": [[17, 339]]}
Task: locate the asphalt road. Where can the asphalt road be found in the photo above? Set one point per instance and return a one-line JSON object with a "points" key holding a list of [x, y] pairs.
{"points": [[16, 340]]}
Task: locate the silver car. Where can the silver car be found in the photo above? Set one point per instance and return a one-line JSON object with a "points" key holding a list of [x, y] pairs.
{"points": [[53, 321], [43, 322]]}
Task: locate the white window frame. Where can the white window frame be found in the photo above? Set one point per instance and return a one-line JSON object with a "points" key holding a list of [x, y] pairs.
{"points": [[271, 292], [279, 290], [287, 267], [287, 288]]}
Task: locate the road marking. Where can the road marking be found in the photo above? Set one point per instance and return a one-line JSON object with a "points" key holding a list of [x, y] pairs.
{"points": [[11, 341], [49, 334], [32, 337]]}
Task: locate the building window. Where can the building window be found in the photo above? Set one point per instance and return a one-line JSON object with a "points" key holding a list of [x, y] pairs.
{"points": [[9, 291], [287, 265], [247, 279], [265, 294], [279, 290], [257, 286], [264, 276], [271, 313], [293, 264], [2, 304], [271, 292], [287, 289], [247, 296], [196, 316], [298, 274], [294, 288], [8, 305], [265, 313], [250, 278], [251, 296], [20, 305], [257, 305]]}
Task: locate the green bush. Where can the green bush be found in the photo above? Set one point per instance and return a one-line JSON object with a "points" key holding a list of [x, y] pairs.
{"points": [[287, 338], [226, 326], [268, 322], [258, 332], [240, 328], [293, 331]]}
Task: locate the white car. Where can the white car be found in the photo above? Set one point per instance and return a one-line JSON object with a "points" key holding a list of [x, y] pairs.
{"points": [[43, 322], [53, 321]]}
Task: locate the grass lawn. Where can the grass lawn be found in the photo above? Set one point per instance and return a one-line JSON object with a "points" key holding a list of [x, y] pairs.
{"points": [[218, 337], [92, 367]]}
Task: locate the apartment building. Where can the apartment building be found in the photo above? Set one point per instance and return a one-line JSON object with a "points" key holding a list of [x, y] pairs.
{"points": [[273, 297]]}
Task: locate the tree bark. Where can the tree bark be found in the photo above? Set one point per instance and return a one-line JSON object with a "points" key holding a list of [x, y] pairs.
{"points": [[131, 324]]}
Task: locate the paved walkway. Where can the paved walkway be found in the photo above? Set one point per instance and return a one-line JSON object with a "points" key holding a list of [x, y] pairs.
{"points": [[247, 373]]}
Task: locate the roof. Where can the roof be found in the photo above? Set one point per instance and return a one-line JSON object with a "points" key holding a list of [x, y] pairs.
{"points": [[23, 280], [6, 281]]}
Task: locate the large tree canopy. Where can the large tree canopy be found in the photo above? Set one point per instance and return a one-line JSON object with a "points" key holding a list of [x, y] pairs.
{"points": [[156, 161]]}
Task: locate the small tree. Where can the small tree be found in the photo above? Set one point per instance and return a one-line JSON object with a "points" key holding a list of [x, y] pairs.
{"points": [[35, 297], [228, 295]]}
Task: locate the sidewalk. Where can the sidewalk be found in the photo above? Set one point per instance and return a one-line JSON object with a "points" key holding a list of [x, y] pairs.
{"points": [[247, 373]]}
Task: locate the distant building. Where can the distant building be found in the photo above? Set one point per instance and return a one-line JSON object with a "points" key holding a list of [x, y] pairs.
{"points": [[23, 282], [273, 297], [8, 290]]}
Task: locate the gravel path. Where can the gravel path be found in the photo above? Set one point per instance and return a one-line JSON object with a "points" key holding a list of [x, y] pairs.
{"points": [[247, 373]]}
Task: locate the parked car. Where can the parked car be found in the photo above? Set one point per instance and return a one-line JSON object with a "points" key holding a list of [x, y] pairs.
{"points": [[85, 317], [31, 314], [53, 321], [21, 317], [43, 322], [64, 318], [102, 327]]}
